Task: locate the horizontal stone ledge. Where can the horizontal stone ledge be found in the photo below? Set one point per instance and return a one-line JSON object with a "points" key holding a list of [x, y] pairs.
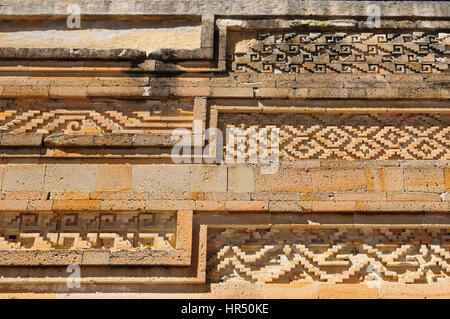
{"points": [[113, 140], [121, 54], [95, 257], [10, 53], [22, 139], [283, 23], [239, 206], [146, 92], [12, 8]]}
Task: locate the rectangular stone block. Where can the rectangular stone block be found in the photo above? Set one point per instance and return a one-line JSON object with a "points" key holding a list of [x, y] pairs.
{"points": [[179, 178], [389, 179], [360, 196], [76, 205], [13, 205], [241, 178], [67, 92], [21, 139], [293, 180], [414, 197], [40, 205], [332, 206], [210, 205], [71, 177], [70, 195], [114, 178], [274, 92], [161, 178], [163, 140], [275, 196], [347, 291], [338, 179], [427, 179], [95, 257], [245, 206], [294, 206], [24, 195], [23, 178], [169, 205], [414, 291], [208, 178], [123, 205], [232, 92]]}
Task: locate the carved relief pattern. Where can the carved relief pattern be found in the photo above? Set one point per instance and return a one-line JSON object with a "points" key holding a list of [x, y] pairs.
{"points": [[335, 255], [339, 52], [153, 116], [351, 136], [112, 231]]}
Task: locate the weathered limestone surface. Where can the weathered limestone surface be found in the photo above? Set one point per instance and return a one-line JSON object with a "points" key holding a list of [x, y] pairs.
{"points": [[357, 205]]}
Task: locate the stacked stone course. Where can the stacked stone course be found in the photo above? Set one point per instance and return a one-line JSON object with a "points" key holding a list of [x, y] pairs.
{"points": [[358, 207]]}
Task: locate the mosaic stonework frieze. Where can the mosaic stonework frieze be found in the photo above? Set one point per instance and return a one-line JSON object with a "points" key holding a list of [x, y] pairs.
{"points": [[153, 116], [350, 136], [329, 254], [75, 231], [343, 52]]}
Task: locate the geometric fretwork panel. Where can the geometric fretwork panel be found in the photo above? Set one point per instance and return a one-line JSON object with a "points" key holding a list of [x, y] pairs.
{"points": [[341, 52], [152, 116], [75, 231], [329, 254], [349, 136]]}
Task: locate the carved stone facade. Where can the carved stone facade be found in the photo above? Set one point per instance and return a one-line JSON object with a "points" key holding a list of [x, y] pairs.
{"points": [[105, 165]]}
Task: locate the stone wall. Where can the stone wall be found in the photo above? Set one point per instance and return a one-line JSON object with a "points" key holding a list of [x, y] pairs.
{"points": [[357, 205]]}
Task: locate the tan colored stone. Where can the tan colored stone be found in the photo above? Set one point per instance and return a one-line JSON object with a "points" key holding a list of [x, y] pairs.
{"points": [[414, 197], [415, 291], [123, 205], [68, 177], [257, 206], [93, 257], [347, 291], [447, 179], [70, 195], [294, 180], [13, 205], [25, 195], [332, 206], [295, 206], [209, 205], [424, 180], [21, 139], [241, 178], [338, 179], [75, 205], [360, 196], [23, 178], [232, 92], [166, 205], [1, 176], [40, 205], [389, 179], [114, 178], [171, 178]]}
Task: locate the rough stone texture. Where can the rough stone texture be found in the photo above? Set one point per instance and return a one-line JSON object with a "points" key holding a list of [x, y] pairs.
{"points": [[358, 206]]}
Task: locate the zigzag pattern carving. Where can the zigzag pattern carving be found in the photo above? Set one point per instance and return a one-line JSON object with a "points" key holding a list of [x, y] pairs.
{"points": [[340, 52], [113, 231], [351, 136], [153, 116], [335, 254]]}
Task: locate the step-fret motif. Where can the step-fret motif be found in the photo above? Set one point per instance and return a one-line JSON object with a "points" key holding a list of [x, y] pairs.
{"points": [[341, 52]]}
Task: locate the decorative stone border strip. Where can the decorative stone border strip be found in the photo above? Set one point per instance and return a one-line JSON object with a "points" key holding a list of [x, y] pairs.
{"points": [[42, 254]]}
